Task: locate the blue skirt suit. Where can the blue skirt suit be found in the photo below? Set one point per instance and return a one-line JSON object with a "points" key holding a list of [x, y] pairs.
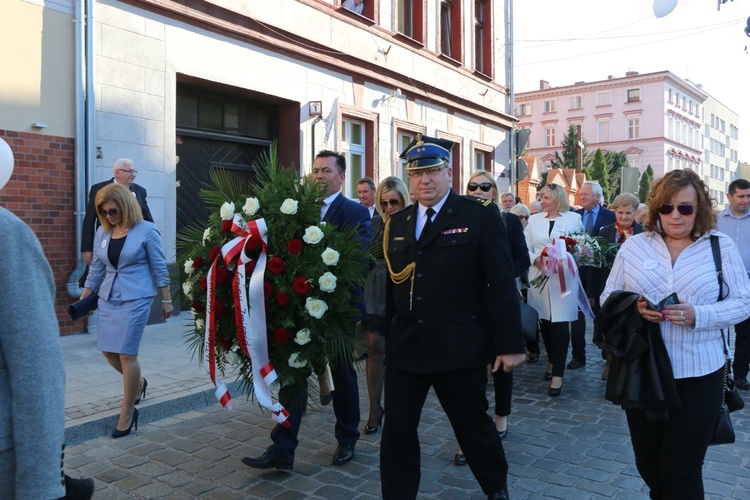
{"points": [[126, 288]]}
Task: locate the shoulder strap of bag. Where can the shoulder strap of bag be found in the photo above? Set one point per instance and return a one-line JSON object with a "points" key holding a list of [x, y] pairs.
{"points": [[716, 250], [717, 262]]}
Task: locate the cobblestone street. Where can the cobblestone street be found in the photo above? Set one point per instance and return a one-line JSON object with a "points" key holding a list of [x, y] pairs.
{"points": [[575, 446]]}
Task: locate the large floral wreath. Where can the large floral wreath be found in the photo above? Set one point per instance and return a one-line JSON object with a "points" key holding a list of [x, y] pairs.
{"points": [[270, 286]]}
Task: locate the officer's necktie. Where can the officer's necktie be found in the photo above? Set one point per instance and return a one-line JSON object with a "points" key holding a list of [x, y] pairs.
{"points": [[589, 221], [429, 213]]}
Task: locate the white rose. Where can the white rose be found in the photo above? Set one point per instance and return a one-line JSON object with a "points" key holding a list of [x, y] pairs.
{"points": [[289, 206], [227, 211], [330, 257], [327, 282], [296, 362], [200, 325], [313, 235], [187, 288], [303, 336], [189, 269], [231, 357], [251, 206], [315, 307]]}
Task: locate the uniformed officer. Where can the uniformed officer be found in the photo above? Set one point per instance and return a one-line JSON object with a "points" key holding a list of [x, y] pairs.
{"points": [[451, 308]]}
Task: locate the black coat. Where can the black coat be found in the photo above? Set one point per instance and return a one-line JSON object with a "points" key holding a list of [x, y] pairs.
{"points": [[465, 308], [640, 374], [91, 221]]}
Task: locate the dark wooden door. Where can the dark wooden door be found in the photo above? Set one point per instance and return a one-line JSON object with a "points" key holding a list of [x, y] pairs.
{"points": [[197, 157]]}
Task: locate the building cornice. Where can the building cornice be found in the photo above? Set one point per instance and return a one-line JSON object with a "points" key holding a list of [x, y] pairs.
{"points": [[216, 19], [627, 81]]}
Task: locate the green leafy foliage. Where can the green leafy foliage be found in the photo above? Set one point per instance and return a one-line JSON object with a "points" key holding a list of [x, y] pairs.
{"points": [[298, 342], [598, 172], [644, 184]]}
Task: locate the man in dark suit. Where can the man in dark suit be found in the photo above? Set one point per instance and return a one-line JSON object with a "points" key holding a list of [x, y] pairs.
{"points": [[451, 308], [593, 217], [124, 173], [329, 169]]}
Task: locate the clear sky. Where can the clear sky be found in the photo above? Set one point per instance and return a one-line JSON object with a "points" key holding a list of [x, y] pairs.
{"points": [[565, 41]]}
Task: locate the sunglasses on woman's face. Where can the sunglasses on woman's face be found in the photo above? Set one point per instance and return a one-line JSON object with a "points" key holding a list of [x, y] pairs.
{"points": [[394, 202], [112, 212], [524, 217], [667, 209], [485, 186]]}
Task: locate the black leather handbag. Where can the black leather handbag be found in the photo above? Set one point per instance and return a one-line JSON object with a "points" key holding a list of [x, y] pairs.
{"points": [[731, 401], [529, 322]]}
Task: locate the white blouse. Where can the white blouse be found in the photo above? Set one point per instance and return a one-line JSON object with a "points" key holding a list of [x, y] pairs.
{"points": [[643, 265]]}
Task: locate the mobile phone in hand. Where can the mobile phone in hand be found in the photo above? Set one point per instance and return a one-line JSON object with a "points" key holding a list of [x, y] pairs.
{"points": [[659, 306]]}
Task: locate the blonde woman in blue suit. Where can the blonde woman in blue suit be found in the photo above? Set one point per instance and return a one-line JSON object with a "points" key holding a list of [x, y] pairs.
{"points": [[555, 312], [127, 253]]}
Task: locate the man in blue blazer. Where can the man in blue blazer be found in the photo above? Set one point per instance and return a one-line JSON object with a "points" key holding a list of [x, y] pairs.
{"points": [[329, 169], [594, 217], [124, 173]]}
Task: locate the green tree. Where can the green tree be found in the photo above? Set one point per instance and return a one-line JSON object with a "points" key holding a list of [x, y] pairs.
{"points": [[616, 160], [644, 185], [598, 172], [569, 158]]}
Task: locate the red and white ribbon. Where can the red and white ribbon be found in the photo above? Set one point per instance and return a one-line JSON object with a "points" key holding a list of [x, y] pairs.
{"points": [[250, 311], [559, 261], [209, 341]]}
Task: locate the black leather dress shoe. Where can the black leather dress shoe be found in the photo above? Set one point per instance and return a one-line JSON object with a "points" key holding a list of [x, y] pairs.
{"points": [[459, 459], [344, 453], [267, 461], [78, 489], [500, 495], [547, 376], [576, 364], [741, 383]]}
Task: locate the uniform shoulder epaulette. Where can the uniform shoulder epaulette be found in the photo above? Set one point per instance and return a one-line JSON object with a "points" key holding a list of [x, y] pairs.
{"points": [[477, 199]]}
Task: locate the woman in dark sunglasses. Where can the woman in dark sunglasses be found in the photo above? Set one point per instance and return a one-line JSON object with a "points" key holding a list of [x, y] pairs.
{"points": [[128, 258], [482, 185], [391, 196], [674, 255]]}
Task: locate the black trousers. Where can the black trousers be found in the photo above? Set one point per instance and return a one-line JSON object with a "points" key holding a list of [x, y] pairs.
{"points": [[462, 395], [669, 455], [578, 337], [345, 408], [741, 361], [556, 337]]}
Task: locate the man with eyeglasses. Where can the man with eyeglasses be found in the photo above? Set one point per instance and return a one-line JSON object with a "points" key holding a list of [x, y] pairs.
{"points": [[452, 308], [124, 173], [593, 217], [735, 223]]}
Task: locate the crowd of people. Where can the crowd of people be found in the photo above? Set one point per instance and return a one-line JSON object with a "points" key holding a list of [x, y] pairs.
{"points": [[440, 309]]}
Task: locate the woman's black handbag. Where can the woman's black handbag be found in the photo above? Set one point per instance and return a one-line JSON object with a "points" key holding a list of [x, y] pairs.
{"points": [[723, 432], [723, 429], [731, 397], [84, 306], [529, 322]]}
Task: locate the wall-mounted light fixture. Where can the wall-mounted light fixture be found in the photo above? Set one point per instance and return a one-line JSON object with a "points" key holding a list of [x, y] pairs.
{"points": [[38, 125]]}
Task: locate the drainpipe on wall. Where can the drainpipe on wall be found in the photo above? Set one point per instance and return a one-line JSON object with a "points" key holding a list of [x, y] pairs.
{"points": [[84, 127], [80, 148]]}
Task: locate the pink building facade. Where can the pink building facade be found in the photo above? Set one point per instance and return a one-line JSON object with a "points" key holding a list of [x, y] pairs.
{"points": [[655, 118]]}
